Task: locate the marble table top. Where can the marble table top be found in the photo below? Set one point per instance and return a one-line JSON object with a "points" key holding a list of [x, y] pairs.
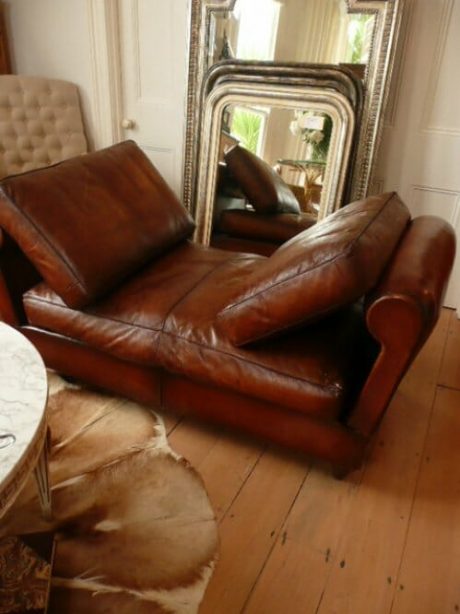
{"points": [[23, 395]]}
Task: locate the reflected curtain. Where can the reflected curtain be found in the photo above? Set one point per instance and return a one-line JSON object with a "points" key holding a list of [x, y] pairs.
{"points": [[308, 31], [312, 31]]}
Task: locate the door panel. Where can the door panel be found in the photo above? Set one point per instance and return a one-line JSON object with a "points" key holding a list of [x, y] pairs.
{"points": [[154, 59]]}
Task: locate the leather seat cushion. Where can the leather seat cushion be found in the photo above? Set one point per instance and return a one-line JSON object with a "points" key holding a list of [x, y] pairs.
{"points": [[89, 222], [128, 322], [265, 190], [274, 227], [165, 316], [318, 271]]}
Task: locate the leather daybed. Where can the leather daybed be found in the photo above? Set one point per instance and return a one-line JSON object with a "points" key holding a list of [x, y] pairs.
{"points": [[304, 348]]}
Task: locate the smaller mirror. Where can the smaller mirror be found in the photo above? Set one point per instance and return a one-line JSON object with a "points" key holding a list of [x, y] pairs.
{"points": [[297, 142]]}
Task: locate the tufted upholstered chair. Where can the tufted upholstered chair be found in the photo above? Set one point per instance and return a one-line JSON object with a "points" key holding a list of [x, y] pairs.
{"points": [[40, 123]]}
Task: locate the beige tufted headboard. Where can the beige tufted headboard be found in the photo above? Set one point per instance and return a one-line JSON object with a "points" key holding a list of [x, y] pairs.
{"points": [[40, 123]]}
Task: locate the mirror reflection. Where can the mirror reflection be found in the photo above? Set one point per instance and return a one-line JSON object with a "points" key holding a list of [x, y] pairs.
{"points": [[292, 31], [272, 164], [242, 50]]}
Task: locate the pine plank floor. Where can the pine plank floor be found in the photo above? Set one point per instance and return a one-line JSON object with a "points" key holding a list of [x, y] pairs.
{"points": [[385, 540]]}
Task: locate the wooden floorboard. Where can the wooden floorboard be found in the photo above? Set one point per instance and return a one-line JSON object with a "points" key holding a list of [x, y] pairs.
{"points": [[357, 526], [250, 528], [386, 540], [296, 572], [374, 539], [450, 372], [429, 580], [223, 460]]}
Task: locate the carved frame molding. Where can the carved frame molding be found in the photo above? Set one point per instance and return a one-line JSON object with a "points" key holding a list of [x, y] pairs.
{"points": [[388, 15]]}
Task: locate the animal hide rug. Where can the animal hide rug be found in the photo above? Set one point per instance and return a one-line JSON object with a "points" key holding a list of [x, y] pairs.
{"points": [[135, 531]]}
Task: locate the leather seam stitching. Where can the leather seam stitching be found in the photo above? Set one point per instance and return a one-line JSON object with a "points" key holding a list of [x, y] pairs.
{"points": [[255, 364], [37, 299], [205, 347], [344, 254], [193, 287], [66, 308], [182, 298], [77, 280]]}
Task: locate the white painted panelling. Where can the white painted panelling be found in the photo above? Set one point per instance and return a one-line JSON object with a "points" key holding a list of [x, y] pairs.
{"points": [[105, 69], [155, 21], [376, 186], [443, 108], [420, 154], [431, 201], [427, 200], [397, 77], [154, 39], [164, 159]]}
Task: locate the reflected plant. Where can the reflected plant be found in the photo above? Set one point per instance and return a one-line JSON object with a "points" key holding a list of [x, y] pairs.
{"points": [[246, 127], [359, 35]]}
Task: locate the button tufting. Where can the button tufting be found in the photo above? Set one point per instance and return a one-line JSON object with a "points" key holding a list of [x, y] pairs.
{"points": [[38, 119]]}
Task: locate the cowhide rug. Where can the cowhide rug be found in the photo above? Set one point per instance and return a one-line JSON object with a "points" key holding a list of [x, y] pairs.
{"points": [[135, 531]]}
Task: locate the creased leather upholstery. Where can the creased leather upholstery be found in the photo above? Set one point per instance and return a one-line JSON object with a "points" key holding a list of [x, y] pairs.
{"points": [[264, 188], [40, 123], [330, 265], [128, 322], [89, 222], [165, 316]]}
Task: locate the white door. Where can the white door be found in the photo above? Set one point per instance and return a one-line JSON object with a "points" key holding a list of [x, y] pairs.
{"points": [[420, 157], [154, 48]]}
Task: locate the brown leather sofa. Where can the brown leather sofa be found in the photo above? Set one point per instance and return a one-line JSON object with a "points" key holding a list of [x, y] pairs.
{"points": [[268, 213], [304, 348]]}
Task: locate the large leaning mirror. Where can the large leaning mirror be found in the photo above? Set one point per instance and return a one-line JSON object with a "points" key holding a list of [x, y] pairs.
{"points": [[358, 34]]}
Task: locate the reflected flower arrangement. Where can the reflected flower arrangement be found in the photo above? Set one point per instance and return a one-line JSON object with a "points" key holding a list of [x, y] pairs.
{"points": [[315, 130]]}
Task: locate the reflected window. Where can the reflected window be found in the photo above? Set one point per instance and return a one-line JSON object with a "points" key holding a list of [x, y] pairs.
{"points": [[317, 31], [258, 26], [360, 31]]}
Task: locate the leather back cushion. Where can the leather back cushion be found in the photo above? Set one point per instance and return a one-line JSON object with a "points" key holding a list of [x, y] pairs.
{"points": [[263, 187], [40, 123], [89, 222], [321, 269]]}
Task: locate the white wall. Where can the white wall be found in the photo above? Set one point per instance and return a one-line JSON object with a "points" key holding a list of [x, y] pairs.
{"points": [[420, 152], [50, 38]]}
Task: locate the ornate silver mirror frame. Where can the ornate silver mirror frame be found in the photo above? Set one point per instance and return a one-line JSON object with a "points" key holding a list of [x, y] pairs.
{"points": [[378, 75], [232, 91]]}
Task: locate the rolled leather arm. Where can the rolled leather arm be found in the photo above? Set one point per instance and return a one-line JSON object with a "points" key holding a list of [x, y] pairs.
{"points": [[17, 275], [402, 312]]}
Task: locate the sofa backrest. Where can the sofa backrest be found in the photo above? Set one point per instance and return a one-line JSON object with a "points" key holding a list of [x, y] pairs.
{"points": [[265, 190], [318, 271], [89, 222]]}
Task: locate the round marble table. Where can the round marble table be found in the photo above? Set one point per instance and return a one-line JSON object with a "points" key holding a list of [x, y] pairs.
{"points": [[23, 428]]}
